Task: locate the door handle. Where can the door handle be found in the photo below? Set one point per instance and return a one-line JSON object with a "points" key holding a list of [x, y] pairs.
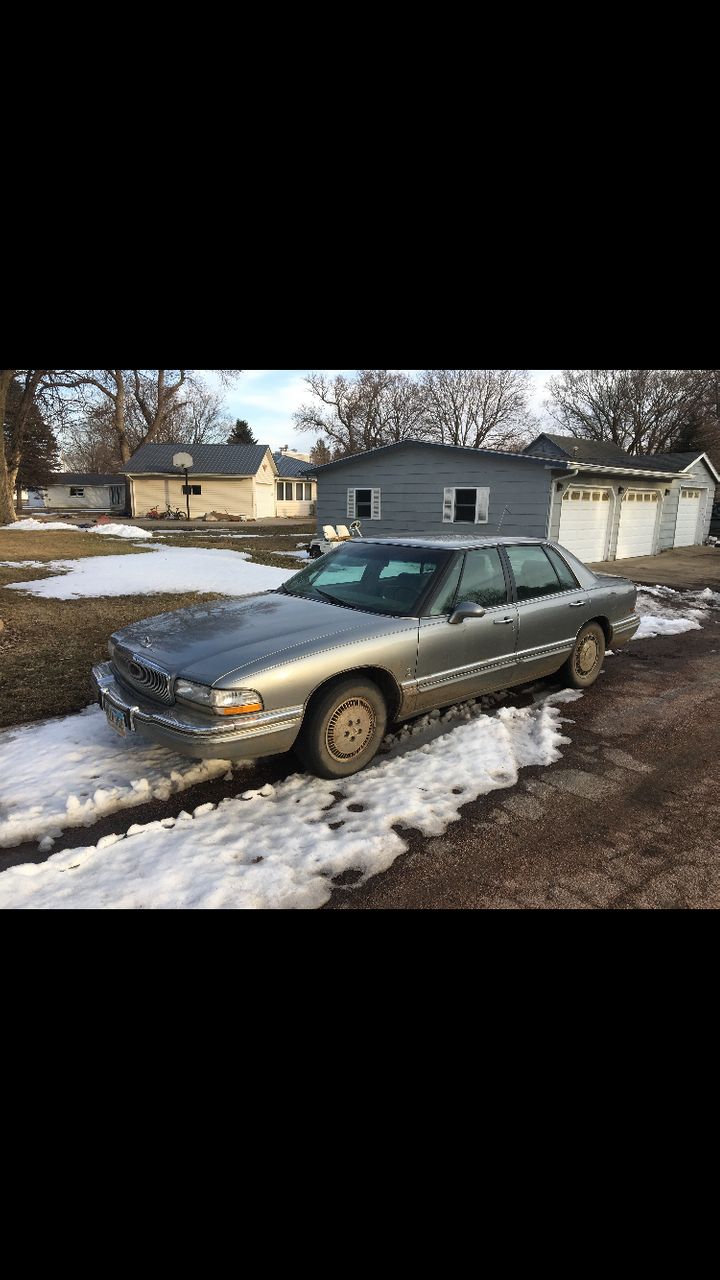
{"points": [[577, 604], [503, 622]]}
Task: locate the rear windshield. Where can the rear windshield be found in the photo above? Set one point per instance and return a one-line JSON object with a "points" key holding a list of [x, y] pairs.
{"points": [[371, 577]]}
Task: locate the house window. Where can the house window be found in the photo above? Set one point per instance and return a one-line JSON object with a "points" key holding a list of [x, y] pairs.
{"points": [[364, 504], [466, 506], [76, 493], [285, 491], [194, 489], [308, 493], [115, 495], [298, 492]]}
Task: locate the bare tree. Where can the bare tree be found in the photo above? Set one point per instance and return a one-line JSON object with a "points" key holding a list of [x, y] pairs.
{"points": [[118, 410], [639, 410], [376, 407], [477, 407], [12, 434], [702, 431]]}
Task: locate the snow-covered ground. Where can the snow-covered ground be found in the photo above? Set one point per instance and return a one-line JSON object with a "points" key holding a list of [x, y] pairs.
{"points": [[70, 771], [162, 569], [280, 847], [52, 526], [666, 612]]}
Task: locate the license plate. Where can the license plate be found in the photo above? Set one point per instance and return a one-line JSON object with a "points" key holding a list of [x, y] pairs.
{"points": [[116, 719]]}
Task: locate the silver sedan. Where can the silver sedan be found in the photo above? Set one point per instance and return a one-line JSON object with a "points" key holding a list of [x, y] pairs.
{"points": [[376, 631]]}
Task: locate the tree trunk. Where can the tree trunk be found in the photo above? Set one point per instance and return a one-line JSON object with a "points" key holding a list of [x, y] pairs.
{"points": [[7, 506], [7, 502]]}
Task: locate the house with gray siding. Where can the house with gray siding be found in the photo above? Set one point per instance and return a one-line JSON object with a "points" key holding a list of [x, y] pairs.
{"points": [[599, 506]]}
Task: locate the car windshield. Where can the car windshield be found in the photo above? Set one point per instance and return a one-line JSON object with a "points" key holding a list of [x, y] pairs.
{"points": [[371, 577]]}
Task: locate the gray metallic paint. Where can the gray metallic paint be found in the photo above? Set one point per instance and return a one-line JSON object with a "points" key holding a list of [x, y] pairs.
{"points": [[285, 648]]}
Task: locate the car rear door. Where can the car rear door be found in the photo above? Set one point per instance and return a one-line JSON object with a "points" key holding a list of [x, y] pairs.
{"points": [[551, 606], [461, 660]]}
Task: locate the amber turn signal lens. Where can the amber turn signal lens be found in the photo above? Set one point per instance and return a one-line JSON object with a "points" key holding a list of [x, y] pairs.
{"points": [[240, 711]]}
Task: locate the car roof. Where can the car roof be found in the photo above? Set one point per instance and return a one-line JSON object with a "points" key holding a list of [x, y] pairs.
{"points": [[452, 541]]}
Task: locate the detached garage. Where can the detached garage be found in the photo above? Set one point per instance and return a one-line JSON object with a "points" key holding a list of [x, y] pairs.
{"points": [[653, 502], [592, 498]]}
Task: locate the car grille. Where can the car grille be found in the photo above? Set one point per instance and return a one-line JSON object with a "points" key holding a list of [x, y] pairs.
{"points": [[143, 676]]}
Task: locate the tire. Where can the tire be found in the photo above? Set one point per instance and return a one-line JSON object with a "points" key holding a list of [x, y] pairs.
{"points": [[584, 664], [343, 728]]}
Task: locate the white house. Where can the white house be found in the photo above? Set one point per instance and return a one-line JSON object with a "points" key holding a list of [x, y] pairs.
{"points": [[76, 491], [296, 492]]}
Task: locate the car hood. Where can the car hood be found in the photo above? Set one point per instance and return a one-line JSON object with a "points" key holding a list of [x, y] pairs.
{"points": [[216, 643]]}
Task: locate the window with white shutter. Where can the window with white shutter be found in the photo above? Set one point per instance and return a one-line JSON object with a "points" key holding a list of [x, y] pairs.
{"points": [[364, 504], [466, 506]]}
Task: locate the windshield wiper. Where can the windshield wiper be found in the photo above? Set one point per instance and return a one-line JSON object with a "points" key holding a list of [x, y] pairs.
{"points": [[326, 594]]}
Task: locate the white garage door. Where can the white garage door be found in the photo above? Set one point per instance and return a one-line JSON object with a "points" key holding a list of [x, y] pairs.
{"points": [[638, 517], [687, 517], [584, 522]]}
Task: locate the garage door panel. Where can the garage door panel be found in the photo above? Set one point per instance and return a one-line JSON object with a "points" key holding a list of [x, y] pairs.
{"points": [[638, 521], [688, 515], [584, 522]]}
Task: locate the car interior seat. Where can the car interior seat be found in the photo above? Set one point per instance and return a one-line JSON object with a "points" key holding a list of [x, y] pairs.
{"points": [[534, 577]]}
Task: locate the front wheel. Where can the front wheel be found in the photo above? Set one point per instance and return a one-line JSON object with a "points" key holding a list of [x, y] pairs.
{"points": [[583, 666], [343, 729]]}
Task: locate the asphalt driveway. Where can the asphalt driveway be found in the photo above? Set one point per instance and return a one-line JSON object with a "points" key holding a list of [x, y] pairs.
{"points": [[629, 818], [684, 568]]}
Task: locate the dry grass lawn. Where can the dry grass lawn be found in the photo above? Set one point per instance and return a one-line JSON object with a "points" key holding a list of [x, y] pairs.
{"points": [[47, 647]]}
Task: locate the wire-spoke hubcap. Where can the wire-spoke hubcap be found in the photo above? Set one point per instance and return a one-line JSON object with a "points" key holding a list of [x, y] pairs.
{"points": [[587, 656], [351, 727]]}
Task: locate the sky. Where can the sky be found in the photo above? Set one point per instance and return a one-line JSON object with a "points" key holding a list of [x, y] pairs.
{"points": [[268, 398]]}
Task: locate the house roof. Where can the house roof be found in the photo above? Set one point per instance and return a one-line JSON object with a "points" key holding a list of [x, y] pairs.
{"points": [[208, 459], [426, 444], [290, 467], [606, 454], [83, 478]]}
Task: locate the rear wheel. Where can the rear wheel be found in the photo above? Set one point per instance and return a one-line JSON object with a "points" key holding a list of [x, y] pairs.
{"points": [[343, 728], [583, 666]]}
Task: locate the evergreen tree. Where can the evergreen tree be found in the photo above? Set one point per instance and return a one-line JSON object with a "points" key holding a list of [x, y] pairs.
{"points": [[241, 433], [40, 448]]}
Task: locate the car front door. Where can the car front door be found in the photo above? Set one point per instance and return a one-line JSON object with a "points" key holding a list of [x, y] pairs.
{"points": [[461, 660], [551, 607]]}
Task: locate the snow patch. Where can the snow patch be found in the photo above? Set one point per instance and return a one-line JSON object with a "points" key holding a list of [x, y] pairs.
{"points": [[231, 856], [73, 770], [169, 570]]}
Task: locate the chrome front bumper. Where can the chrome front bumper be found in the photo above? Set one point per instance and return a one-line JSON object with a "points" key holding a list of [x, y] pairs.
{"points": [[263, 734]]}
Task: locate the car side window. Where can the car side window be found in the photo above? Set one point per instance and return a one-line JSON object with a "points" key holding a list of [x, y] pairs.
{"points": [[534, 574], [483, 580], [567, 581], [444, 599]]}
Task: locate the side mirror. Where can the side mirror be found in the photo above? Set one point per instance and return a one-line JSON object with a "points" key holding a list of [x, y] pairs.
{"points": [[466, 609]]}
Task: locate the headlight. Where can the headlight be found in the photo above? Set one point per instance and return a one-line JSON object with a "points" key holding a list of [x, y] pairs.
{"points": [[224, 702]]}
